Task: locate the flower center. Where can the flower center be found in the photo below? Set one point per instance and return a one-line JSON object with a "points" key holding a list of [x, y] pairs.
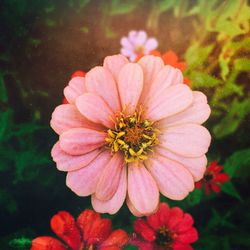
{"points": [[133, 136], [208, 177], [139, 49], [164, 238]]}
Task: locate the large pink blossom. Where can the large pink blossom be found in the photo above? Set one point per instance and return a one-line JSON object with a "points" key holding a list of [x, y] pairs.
{"points": [[130, 131]]}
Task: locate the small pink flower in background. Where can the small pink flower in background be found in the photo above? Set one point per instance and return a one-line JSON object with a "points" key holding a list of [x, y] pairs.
{"points": [[89, 231], [130, 131], [213, 178], [167, 229], [137, 44]]}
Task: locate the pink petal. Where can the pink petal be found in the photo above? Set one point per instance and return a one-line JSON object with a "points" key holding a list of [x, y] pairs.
{"points": [[110, 178], [169, 102], [151, 66], [150, 45], [142, 189], [173, 180], [140, 37], [196, 166], [128, 53], [198, 112], [189, 140], [126, 43], [75, 88], [83, 181], [132, 209], [115, 203], [167, 76], [66, 162], [66, 117], [78, 141], [101, 82], [130, 84], [132, 36], [114, 64], [94, 108]]}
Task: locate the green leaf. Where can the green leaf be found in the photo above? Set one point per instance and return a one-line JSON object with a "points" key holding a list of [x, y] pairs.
{"points": [[242, 64], [83, 3], [238, 163], [5, 123], [119, 7], [196, 55], [28, 164], [231, 121], [203, 80], [20, 243], [195, 197], [229, 188], [3, 90]]}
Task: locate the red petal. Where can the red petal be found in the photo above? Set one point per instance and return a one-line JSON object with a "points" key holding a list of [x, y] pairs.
{"points": [[207, 189], [160, 218], [85, 221], [63, 224], [175, 217], [215, 187], [223, 177], [78, 73], [110, 248], [199, 184], [212, 166], [170, 58], [185, 224], [100, 230], [117, 238], [155, 53], [181, 246], [186, 81], [141, 244], [47, 243], [189, 236], [65, 101], [142, 228]]}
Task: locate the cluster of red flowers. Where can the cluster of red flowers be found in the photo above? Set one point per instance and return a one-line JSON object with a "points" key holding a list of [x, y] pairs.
{"points": [[168, 228], [213, 178], [88, 232]]}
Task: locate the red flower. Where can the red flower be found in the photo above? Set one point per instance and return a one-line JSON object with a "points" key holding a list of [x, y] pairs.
{"points": [[213, 178], [167, 229], [88, 232], [75, 74]]}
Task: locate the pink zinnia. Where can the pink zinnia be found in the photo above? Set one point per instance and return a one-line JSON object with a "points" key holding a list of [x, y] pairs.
{"points": [[167, 229], [131, 130], [137, 44]]}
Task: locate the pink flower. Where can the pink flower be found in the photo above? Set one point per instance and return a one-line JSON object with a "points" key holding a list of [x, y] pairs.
{"points": [[167, 229], [131, 130], [137, 44]]}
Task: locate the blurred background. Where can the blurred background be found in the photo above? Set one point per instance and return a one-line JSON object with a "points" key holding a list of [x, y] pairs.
{"points": [[42, 42]]}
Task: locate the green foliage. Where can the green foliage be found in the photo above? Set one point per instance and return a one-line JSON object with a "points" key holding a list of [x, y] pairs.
{"points": [[237, 165], [215, 45], [20, 243]]}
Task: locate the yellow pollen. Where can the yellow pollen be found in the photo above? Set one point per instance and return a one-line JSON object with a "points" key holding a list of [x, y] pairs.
{"points": [[132, 136]]}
